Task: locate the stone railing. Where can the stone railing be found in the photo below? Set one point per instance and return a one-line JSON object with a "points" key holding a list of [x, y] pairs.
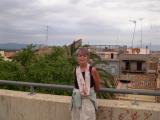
{"points": [[16, 105]]}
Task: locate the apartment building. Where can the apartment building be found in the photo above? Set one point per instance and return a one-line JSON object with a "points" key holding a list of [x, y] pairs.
{"points": [[138, 71], [109, 53]]}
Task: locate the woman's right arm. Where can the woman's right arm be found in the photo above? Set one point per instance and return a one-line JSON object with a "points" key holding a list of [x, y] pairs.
{"points": [[96, 78]]}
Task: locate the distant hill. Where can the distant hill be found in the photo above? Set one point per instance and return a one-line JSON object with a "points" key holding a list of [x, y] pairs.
{"points": [[14, 46], [17, 46]]}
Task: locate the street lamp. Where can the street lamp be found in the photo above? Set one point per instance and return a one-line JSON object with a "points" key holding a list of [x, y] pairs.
{"points": [[133, 21]]}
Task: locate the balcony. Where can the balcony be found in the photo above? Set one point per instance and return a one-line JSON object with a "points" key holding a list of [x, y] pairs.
{"points": [[138, 81], [143, 84], [133, 71], [123, 70]]}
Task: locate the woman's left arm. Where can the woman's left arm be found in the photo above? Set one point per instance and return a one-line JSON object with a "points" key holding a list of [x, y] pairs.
{"points": [[96, 78]]}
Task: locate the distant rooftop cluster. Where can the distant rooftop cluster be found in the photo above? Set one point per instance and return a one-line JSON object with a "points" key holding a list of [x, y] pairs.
{"points": [[132, 68]]}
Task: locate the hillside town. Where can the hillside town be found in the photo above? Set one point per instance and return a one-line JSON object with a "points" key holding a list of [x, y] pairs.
{"points": [[132, 68]]}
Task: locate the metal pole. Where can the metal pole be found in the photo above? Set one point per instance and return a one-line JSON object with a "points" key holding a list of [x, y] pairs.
{"points": [[141, 30], [133, 21], [134, 33], [70, 88], [46, 35]]}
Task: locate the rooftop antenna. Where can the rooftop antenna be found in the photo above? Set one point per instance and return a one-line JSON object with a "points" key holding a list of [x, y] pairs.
{"points": [[141, 29], [150, 46], [88, 42], [133, 21], [46, 36]]}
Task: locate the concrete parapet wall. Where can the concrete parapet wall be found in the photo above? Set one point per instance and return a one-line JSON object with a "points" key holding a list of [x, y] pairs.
{"points": [[16, 105]]}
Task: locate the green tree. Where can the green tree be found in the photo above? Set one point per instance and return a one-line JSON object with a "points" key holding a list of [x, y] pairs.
{"points": [[10, 71], [1, 58], [56, 68], [53, 68], [26, 56], [107, 80]]}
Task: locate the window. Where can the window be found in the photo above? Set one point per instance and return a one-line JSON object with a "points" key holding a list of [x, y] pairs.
{"points": [[127, 66], [112, 55], [139, 66]]}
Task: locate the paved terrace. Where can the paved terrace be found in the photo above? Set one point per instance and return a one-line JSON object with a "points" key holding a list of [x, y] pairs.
{"points": [[15, 105]]}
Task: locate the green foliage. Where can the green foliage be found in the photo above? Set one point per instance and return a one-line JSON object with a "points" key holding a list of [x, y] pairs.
{"points": [[10, 71], [1, 58], [107, 80], [56, 68], [26, 56]]}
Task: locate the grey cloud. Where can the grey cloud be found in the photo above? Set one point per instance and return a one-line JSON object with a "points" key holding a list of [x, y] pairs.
{"points": [[140, 4], [75, 1], [26, 21]]}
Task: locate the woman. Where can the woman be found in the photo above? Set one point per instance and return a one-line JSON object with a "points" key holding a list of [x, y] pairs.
{"points": [[87, 81]]}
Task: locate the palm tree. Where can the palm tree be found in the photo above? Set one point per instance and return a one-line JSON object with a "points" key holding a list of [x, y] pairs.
{"points": [[107, 80]]}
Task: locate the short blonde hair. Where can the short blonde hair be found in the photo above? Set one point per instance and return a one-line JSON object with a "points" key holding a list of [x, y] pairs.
{"points": [[82, 51]]}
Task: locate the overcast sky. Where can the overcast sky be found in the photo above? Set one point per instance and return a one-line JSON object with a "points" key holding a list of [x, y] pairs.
{"points": [[95, 21]]}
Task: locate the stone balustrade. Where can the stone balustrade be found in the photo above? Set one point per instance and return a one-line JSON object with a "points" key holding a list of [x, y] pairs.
{"points": [[15, 105]]}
